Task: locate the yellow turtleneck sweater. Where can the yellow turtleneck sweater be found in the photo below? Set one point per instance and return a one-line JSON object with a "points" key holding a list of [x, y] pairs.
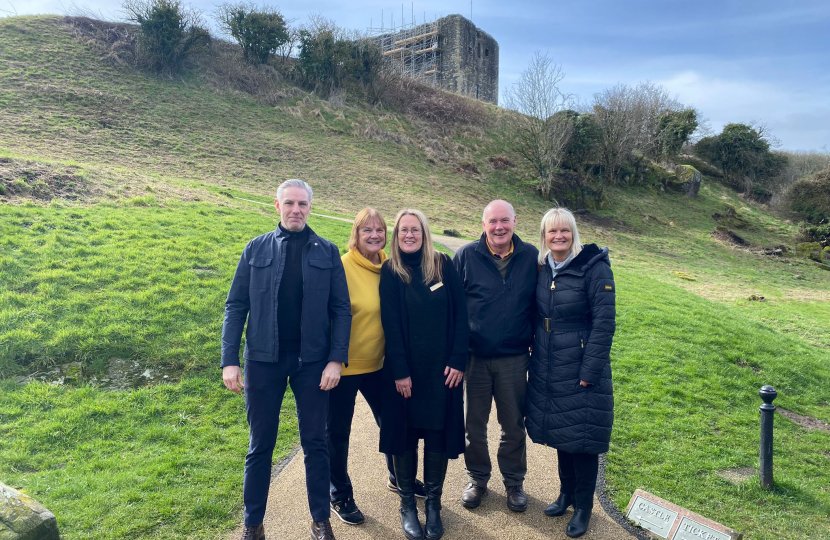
{"points": [[366, 343]]}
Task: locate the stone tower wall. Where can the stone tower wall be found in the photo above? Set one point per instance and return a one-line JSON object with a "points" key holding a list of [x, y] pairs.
{"points": [[469, 61]]}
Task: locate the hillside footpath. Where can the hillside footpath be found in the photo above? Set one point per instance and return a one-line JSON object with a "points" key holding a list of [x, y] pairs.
{"points": [[287, 516]]}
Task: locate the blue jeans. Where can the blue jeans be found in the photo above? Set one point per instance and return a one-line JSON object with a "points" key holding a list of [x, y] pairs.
{"points": [[265, 385]]}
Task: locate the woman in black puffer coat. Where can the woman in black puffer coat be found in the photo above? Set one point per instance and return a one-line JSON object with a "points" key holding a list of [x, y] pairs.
{"points": [[570, 402]]}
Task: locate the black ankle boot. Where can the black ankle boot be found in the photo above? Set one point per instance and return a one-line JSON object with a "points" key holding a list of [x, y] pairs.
{"points": [[560, 505], [578, 525], [405, 467], [435, 471]]}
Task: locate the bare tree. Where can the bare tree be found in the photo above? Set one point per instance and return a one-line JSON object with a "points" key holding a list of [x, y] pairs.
{"points": [[539, 135], [615, 112], [630, 120], [289, 48]]}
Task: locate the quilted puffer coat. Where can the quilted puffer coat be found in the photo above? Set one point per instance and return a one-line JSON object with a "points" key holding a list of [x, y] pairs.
{"points": [[572, 342]]}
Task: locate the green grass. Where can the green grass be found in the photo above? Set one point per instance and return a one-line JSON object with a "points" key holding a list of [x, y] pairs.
{"points": [[138, 268], [135, 280], [161, 462], [686, 408]]}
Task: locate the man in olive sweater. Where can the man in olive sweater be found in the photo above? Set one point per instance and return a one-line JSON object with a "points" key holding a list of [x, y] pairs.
{"points": [[291, 288], [499, 275]]}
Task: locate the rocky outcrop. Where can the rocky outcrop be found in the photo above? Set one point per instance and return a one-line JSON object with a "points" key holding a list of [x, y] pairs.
{"points": [[23, 518], [689, 179]]}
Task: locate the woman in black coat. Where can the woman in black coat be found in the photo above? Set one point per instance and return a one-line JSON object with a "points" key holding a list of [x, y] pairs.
{"points": [[570, 401], [424, 315]]}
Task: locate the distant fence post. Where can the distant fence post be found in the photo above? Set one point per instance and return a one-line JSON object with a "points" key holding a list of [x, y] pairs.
{"points": [[767, 394]]}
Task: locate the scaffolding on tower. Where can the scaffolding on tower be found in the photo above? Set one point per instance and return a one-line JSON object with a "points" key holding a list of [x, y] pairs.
{"points": [[411, 50]]}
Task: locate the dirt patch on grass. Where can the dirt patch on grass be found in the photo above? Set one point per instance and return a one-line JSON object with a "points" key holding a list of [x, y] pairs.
{"points": [[736, 475], [807, 422], [603, 222], [753, 367], [725, 236], [32, 180]]}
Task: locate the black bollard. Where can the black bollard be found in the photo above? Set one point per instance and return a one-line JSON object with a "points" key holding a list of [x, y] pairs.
{"points": [[768, 394]]}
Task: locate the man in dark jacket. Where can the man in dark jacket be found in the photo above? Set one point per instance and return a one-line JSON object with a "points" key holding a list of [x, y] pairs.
{"points": [[291, 288], [499, 275]]}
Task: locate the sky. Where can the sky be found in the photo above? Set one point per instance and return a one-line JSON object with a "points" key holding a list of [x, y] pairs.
{"points": [[735, 61]]}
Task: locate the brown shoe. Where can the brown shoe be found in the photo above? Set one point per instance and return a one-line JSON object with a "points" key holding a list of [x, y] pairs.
{"points": [[471, 498], [254, 533], [516, 498], [321, 530]]}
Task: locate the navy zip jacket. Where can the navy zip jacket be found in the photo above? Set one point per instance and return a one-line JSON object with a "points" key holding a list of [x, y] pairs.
{"points": [[326, 312], [501, 310], [574, 332]]}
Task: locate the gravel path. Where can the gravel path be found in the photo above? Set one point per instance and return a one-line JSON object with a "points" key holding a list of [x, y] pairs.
{"points": [[287, 517]]}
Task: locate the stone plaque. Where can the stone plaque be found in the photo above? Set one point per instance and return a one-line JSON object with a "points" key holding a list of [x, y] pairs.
{"points": [[651, 516], [660, 518], [690, 529]]}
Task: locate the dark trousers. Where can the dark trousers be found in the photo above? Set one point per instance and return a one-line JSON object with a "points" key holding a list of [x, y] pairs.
{"points": [[339, 427], [578, 475], [265, 385], [503, 379]]}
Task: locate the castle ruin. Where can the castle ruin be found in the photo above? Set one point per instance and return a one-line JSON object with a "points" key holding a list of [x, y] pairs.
{"points": [[450, 53]]}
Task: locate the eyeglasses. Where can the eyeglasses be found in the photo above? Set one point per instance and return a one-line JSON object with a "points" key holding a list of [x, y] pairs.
{"points": [[414, 230]]}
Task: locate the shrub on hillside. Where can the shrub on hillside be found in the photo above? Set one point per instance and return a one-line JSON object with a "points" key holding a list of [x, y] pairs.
{"points": [[820, 233], [259, 31], [674, 130], [170, 33], [582, 149], [799, 164], [330, 58], [743, 153], [810, 197]]}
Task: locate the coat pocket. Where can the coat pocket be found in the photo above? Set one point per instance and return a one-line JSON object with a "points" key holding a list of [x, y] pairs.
{"points": [[319, 274], [260, 272]]}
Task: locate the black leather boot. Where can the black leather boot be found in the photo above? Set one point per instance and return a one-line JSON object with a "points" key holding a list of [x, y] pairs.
{"points": [[560, 505], [405, 468], [435, 471], [578, 525]]}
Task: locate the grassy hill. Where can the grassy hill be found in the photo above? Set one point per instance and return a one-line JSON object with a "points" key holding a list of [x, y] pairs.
{"points": [[119, 232]]}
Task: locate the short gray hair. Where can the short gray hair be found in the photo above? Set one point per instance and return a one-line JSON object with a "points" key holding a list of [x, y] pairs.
{"points": [[294, 183], [560, 216], [489, 204]]}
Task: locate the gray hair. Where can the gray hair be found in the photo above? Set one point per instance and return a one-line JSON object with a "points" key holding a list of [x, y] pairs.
{"points": [[551, 217], [294, 183], [484, 213]]}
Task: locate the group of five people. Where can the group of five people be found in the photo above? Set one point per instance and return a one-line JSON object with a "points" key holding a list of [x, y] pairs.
{"points": [[430, 342]]}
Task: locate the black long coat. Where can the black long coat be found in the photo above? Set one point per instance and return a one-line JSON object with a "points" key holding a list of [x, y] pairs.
{"points": [[398, 360], [572, 342]]}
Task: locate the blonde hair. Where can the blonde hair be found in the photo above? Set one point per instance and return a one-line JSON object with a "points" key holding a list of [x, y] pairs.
{"points": [[553, 217], [430, 259], [362, 219]]}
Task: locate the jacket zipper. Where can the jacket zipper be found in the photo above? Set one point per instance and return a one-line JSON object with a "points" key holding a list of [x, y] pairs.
{"points": [[550, 344], [302, 267]]}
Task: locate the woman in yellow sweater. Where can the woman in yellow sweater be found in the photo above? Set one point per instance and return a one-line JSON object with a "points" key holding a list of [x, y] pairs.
{"points": [[366, 350]]}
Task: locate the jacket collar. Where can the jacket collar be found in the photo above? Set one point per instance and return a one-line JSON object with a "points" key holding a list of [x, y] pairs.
{"points": [[589, 256], [282, 234], [483, 248]]}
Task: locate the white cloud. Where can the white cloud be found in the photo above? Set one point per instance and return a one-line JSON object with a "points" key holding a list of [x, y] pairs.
{"points": [[799, 119]]}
